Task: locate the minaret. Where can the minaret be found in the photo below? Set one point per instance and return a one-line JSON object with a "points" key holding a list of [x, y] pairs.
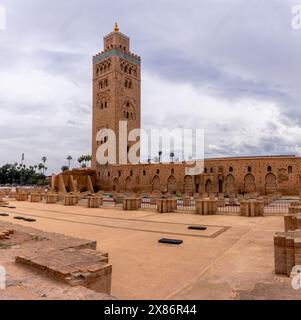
{"points": [[116, 88]]}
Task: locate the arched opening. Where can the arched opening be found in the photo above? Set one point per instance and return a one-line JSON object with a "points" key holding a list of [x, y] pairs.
{"points": [[269, 169], [172, 185], [220, 186], [208, 186], [156, 184], [116, 185], [270, 183], [188, 186], [249, 183], [129, 184], [290, 169], [229, 184]]}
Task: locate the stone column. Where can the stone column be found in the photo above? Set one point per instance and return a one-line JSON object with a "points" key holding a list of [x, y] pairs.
{"points": [[290, 255], [22, 196], [51, 198], [94, 202], [206, 206], [130, 204], [166, 205], [251, 208], [297, 245], [280, 254], [36, 197], [290, 222]]}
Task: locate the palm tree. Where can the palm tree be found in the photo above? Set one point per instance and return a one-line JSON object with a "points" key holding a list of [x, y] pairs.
{"points": [[69, 158], [172, 155], [40, 167], [89, 159], [160, 154], [44, 159], [80, 160]]}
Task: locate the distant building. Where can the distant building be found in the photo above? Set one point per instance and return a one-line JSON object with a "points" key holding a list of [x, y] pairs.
{"points": [[117, 96]]}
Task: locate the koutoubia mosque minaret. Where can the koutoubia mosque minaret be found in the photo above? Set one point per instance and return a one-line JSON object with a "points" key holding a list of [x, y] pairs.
{"points": [[116, 89]]}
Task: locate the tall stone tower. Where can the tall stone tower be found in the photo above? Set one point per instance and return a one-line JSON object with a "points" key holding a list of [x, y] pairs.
{"points": [[116, 89]]}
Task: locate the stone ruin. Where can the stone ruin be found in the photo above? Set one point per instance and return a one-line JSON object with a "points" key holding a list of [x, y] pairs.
{"points": [[287, 244], [67, 260]]}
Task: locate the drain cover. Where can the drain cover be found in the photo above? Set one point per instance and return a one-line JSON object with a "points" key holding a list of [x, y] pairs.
{"points": [[171, 241], [197, 228]]}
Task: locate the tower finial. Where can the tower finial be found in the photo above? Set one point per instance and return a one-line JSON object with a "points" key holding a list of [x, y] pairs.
{"points": [[116, 28]]}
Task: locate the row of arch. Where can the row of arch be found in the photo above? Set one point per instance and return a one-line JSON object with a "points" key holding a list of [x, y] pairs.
{"points": [[103, 67], [249, 184], [128, 68], [103, 105], [188, 184], [156, 184], [103, 84], [249, 169]]}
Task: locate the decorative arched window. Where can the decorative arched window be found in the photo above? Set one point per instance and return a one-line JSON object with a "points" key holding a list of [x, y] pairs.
{"points": [[211, 170], [290, 169], [131, 173], [144, 172], [269, 169], [205, 170], [172, 171], [109, 174], [231, 169], [158, 171]]}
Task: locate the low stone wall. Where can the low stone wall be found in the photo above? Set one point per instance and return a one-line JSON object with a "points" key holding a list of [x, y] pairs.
{"points": [[71, 200], [166, 205], [206, 206], [36, 197], [287, 245], [51, 198], [94, 202], [251, 208], [130, 204], [22, 196]]}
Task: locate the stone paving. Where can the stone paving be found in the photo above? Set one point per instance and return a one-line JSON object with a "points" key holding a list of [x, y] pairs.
{"points": [[236, 264]]}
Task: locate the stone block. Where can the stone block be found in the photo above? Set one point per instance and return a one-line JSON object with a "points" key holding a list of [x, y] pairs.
{"points": [[94, 202], [130, 204]]}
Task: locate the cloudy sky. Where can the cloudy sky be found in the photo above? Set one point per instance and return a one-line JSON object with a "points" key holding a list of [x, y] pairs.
{"points": [[230, 67]]}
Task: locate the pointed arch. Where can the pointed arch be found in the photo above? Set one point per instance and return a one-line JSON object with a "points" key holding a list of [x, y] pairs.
{"points": [[116, 186], [172, 184], [188, 186], [249, 183], [129, 184], [208, 186], [230, 184], [156, 184], [270, 183]]}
